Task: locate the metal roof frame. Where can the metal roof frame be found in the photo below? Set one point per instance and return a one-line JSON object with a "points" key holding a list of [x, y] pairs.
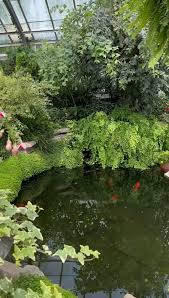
{"points": [[15, 20], [20, 21]]}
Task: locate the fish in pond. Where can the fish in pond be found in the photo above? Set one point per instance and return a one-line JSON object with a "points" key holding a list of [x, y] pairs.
{"points": [[115, 198], [136, 186]]}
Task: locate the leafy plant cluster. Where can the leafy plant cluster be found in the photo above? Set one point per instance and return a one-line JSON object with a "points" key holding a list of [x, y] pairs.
{"points": [[122, 139], [22, 98], [7, 290], [34, 283], [20, 59], [96, 54], [17, 223], [152, 16]]}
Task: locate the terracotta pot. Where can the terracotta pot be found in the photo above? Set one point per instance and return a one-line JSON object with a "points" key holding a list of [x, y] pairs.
{"points": [[165, 167]]}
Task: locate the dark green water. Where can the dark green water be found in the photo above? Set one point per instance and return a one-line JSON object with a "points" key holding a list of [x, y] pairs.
{"points": [[130, 231]]}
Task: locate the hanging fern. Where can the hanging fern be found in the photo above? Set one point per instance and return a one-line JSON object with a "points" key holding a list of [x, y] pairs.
{"points": [[122, 139]]}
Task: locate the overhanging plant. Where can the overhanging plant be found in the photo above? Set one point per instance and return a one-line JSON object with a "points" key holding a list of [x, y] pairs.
{"points": [[17, 223]]}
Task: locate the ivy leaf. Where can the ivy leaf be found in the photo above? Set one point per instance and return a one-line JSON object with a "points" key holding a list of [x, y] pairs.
{"points": [[61, 254], [36, 233], [85, 250], [81, 258], [96, 254], [22, 210], [31, 211], [10, 211], [70, 251], [47, 250]]}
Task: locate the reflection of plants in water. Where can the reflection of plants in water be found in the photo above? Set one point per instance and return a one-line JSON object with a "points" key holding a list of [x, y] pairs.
{"points": [[129, 238]]}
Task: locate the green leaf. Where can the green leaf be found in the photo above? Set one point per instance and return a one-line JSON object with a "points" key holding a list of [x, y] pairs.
{"points": [[81, 258], [61, 254]]}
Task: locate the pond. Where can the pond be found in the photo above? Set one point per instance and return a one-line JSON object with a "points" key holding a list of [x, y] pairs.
{"points": [[124, 214]]}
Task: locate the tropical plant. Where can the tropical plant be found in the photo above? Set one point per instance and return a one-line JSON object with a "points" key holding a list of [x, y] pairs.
{"points": [[153, 16], [21, 98], [96, 54], [121, 139]]}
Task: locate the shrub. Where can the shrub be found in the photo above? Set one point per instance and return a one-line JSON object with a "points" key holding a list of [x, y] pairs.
{"points": [[20, 59], [33, 283], [96, 54], [22, 98]]}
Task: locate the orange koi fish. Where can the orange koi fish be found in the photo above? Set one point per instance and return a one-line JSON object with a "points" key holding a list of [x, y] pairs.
{"points": [[136, 186]]}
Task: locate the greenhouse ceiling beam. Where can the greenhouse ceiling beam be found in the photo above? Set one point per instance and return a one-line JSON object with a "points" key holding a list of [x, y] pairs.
{"points": [[74, 4], [6, 30], [17, 44], [15, 20], [21, 8], [32, 31], [46, 1]]}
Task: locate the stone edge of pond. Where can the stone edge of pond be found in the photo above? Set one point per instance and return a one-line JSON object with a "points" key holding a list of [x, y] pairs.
{"points": [[16, 169]]}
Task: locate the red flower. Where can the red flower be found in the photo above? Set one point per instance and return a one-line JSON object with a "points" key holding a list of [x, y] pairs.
{"points": [[166, 109]]}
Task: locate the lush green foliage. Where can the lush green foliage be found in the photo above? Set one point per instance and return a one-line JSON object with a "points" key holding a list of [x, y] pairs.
{"points": [[33, 283], [20, 59], [94, 54], [122, 139], [154, 16], [16, 169], [7, 290], [22, 98], [69, 251], [16, 222]]}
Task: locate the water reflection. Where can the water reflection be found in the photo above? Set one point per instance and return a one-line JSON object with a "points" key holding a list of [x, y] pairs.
{"points": [[131, 233]]}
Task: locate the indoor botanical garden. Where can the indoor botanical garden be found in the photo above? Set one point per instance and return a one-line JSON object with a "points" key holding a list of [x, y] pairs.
{"points": [[84, 148]]}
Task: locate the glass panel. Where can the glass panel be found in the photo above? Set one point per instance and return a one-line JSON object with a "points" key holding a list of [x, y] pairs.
{"points": [[2, 29], [57, 24], [18, 11], [44, 36], [78, 2], [4, 15], [4, 39], [10, 28], [56, 14], [38, 26], [15, 38], [24, 27], [35, 10]]}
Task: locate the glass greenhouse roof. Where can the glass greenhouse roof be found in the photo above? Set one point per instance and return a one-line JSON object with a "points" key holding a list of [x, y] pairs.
{"points": [[23, 21]]}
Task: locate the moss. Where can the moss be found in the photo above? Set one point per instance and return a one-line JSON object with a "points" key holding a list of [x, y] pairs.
{"points": [[33, 283], [16, 169]]}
